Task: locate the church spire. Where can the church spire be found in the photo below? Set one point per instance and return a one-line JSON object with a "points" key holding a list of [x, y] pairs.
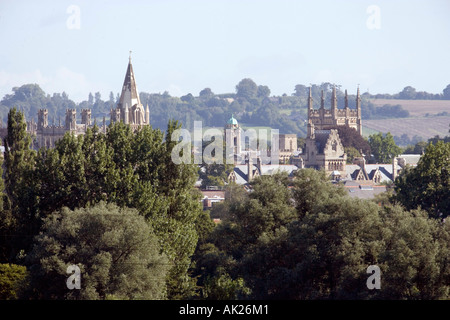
{"points": [[129, 94]]}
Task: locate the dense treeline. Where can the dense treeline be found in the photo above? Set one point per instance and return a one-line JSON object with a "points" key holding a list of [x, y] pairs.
{"points": [[410, 93], [250, 103]]}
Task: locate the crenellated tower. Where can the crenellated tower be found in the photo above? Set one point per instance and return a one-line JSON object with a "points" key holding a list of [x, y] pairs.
{"points": [[324, 119]]}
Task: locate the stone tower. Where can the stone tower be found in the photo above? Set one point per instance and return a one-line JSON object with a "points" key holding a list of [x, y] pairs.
{"points": [[86, 117], [42, 118], [324, 119], [71, 119]]}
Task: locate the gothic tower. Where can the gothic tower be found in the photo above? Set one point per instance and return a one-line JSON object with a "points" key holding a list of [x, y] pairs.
{"points": [[324, 119]]}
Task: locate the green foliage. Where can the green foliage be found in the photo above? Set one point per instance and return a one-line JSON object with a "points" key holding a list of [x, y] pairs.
{"points": [[116, 250], [428, 185], [307, 239], [130, 169], [307, 184], [413, 262], [418, 148], [13, 279], [383, 147], [246, 88], [351, 153], [19, 183], [223, 287]]}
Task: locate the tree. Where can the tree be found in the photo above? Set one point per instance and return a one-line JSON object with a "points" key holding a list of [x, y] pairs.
{"points": [[19, 180], [90, 99], [319, 256], [307, 183], [12, 281], [414, 260], [263, 91], [189, 98], [264, 211], [206, 94], [351, 153], [428, 184], [446, 92], [418, 148], [115, 249], [178, 220], [383, 147], [301, 90], [408, 93], [246, 88], [351, 138]]}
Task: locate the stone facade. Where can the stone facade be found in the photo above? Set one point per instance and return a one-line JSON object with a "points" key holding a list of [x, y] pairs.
{"points": [[287, 146], [324, 150], [46, 135]]}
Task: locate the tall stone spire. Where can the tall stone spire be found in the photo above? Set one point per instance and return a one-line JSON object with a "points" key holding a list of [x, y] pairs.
{"points": [[130, 109], [129, 94]]}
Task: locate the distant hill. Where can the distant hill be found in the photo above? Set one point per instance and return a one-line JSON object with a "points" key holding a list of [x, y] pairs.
{"points": [[417, 108], [427, 118]]}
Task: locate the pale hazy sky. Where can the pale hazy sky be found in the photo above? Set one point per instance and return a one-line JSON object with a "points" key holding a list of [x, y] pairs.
{"points": [[185, 46]]}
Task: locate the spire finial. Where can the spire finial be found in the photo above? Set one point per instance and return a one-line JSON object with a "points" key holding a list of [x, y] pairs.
{"points": [[130, 55]]}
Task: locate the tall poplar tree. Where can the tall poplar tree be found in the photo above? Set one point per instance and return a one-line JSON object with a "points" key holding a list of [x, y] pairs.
{"points": [[19, 160]]}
